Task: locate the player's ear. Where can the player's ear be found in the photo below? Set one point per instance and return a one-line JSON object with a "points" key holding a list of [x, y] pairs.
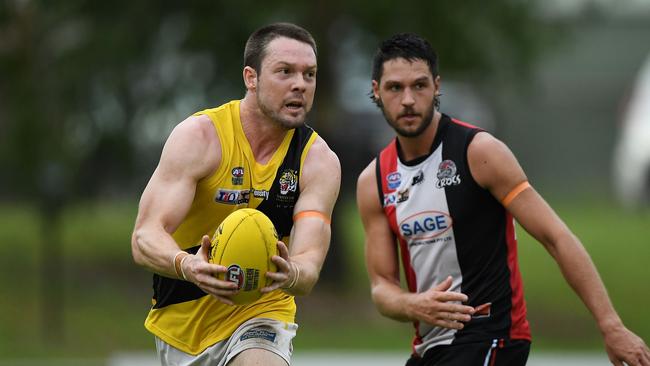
{"points": [[375, 89], [250, 78], [436, 83]]}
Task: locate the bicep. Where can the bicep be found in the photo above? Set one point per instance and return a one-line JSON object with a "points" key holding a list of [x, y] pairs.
{"points": [[380, 249], [190, 153], [319, 189], [495, 168], [320, 180], [166, 200]]}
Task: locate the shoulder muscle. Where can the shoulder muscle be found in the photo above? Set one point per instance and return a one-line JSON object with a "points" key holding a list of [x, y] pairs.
{"points": [[493, 166]]}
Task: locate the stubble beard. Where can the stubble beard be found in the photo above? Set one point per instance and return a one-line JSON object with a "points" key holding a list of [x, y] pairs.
{"points": [[274, 116], [426, 120]]}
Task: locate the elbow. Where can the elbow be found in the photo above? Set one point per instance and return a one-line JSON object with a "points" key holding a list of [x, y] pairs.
{"points": [[136, 247], [556, 243], [377, 299], [391, 305]]}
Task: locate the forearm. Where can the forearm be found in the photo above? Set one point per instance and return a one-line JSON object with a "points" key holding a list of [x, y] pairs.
{"points": [[581, 274], [391, 301], [306, 270], [155, 250]]}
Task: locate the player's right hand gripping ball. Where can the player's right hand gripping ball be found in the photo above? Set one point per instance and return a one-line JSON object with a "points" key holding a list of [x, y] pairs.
{"points": [[244, 243]]}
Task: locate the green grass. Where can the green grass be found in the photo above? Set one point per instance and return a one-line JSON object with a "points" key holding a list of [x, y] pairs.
{"points": [[105, 296], [619, 244]]}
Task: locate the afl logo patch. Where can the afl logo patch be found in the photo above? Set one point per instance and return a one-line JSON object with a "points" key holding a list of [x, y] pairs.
{"points": [[447, 174], [393, 180], [235, 275], [238, 176]]}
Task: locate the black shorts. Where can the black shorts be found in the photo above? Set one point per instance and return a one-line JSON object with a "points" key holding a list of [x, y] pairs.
{"points": [[492, 353]]}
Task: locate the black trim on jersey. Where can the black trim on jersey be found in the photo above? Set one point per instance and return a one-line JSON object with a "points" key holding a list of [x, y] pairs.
{"points": [[478, 218], [380, 189], [169, 291], [279, 207], [440, 131]]}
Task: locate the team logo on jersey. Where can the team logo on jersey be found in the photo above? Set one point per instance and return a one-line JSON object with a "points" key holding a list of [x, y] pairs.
{"points": [[235, 275], [238, 176], [419, 178], [447, 174], [232, 196], [425, 225], [390, 199], [394, 180], [403, 196], [288, 181]]}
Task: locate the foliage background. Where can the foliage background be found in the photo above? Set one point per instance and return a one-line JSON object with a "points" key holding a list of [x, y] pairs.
{"points": [[90, 90]]}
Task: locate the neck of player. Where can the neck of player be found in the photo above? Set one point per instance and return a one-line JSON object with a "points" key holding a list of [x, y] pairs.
{"points": [[264, 135]]}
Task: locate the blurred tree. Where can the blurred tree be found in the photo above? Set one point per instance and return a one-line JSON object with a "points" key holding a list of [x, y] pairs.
{"points": [[89, 90]]}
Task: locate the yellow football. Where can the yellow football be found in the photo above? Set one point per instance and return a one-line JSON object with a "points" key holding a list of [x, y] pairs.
{"points": [[244, 243]]}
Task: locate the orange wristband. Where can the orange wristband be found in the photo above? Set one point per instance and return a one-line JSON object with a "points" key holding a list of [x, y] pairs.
{"points": [[312, 213], [514, 193]]}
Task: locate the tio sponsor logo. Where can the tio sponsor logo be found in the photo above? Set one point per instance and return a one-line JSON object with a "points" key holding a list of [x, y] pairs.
{"points": [[425, 225], [232, 197]]}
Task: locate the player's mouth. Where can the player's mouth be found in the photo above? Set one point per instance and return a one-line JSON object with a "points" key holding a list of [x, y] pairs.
{"points": [[295, 105], [409, 116]]}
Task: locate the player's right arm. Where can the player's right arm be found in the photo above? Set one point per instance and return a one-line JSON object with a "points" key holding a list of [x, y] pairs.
{"points": [[435, 306], [191, 152]]}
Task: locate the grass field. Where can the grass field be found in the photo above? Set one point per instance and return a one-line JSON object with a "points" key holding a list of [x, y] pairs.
{"points": [[105, 296]]}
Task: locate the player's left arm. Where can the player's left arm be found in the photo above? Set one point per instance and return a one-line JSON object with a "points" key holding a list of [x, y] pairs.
{"points": [[299, 267], [495, 168]]}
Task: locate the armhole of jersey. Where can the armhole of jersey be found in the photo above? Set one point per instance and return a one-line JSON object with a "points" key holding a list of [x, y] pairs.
{"points": [[378, 179], [305, 151], [225, 151], [470, 137]]}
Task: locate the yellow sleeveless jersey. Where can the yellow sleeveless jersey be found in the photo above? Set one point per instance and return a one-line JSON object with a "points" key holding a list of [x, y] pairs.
{"points": [[182, 314]]}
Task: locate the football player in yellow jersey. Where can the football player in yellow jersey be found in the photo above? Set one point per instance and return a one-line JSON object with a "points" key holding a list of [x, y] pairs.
{"points": [[184, 202]]}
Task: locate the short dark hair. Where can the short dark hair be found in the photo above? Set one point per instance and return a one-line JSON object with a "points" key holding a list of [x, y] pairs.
{"points": [[255, 50], [408, 46]]}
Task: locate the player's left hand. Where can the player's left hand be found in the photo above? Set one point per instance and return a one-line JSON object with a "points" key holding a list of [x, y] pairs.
{"points": [[286, 270], [624, 346]]}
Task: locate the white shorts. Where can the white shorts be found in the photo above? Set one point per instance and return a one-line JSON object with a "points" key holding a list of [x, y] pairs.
{"points": [[272, 335]]}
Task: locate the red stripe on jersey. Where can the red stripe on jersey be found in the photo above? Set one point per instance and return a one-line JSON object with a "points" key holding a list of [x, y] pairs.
{"points": [[469, 125], [519, 328], [388, 165]]}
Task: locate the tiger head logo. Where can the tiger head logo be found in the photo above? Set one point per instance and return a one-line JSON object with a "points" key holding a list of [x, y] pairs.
{"points": [[288, 181]]}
